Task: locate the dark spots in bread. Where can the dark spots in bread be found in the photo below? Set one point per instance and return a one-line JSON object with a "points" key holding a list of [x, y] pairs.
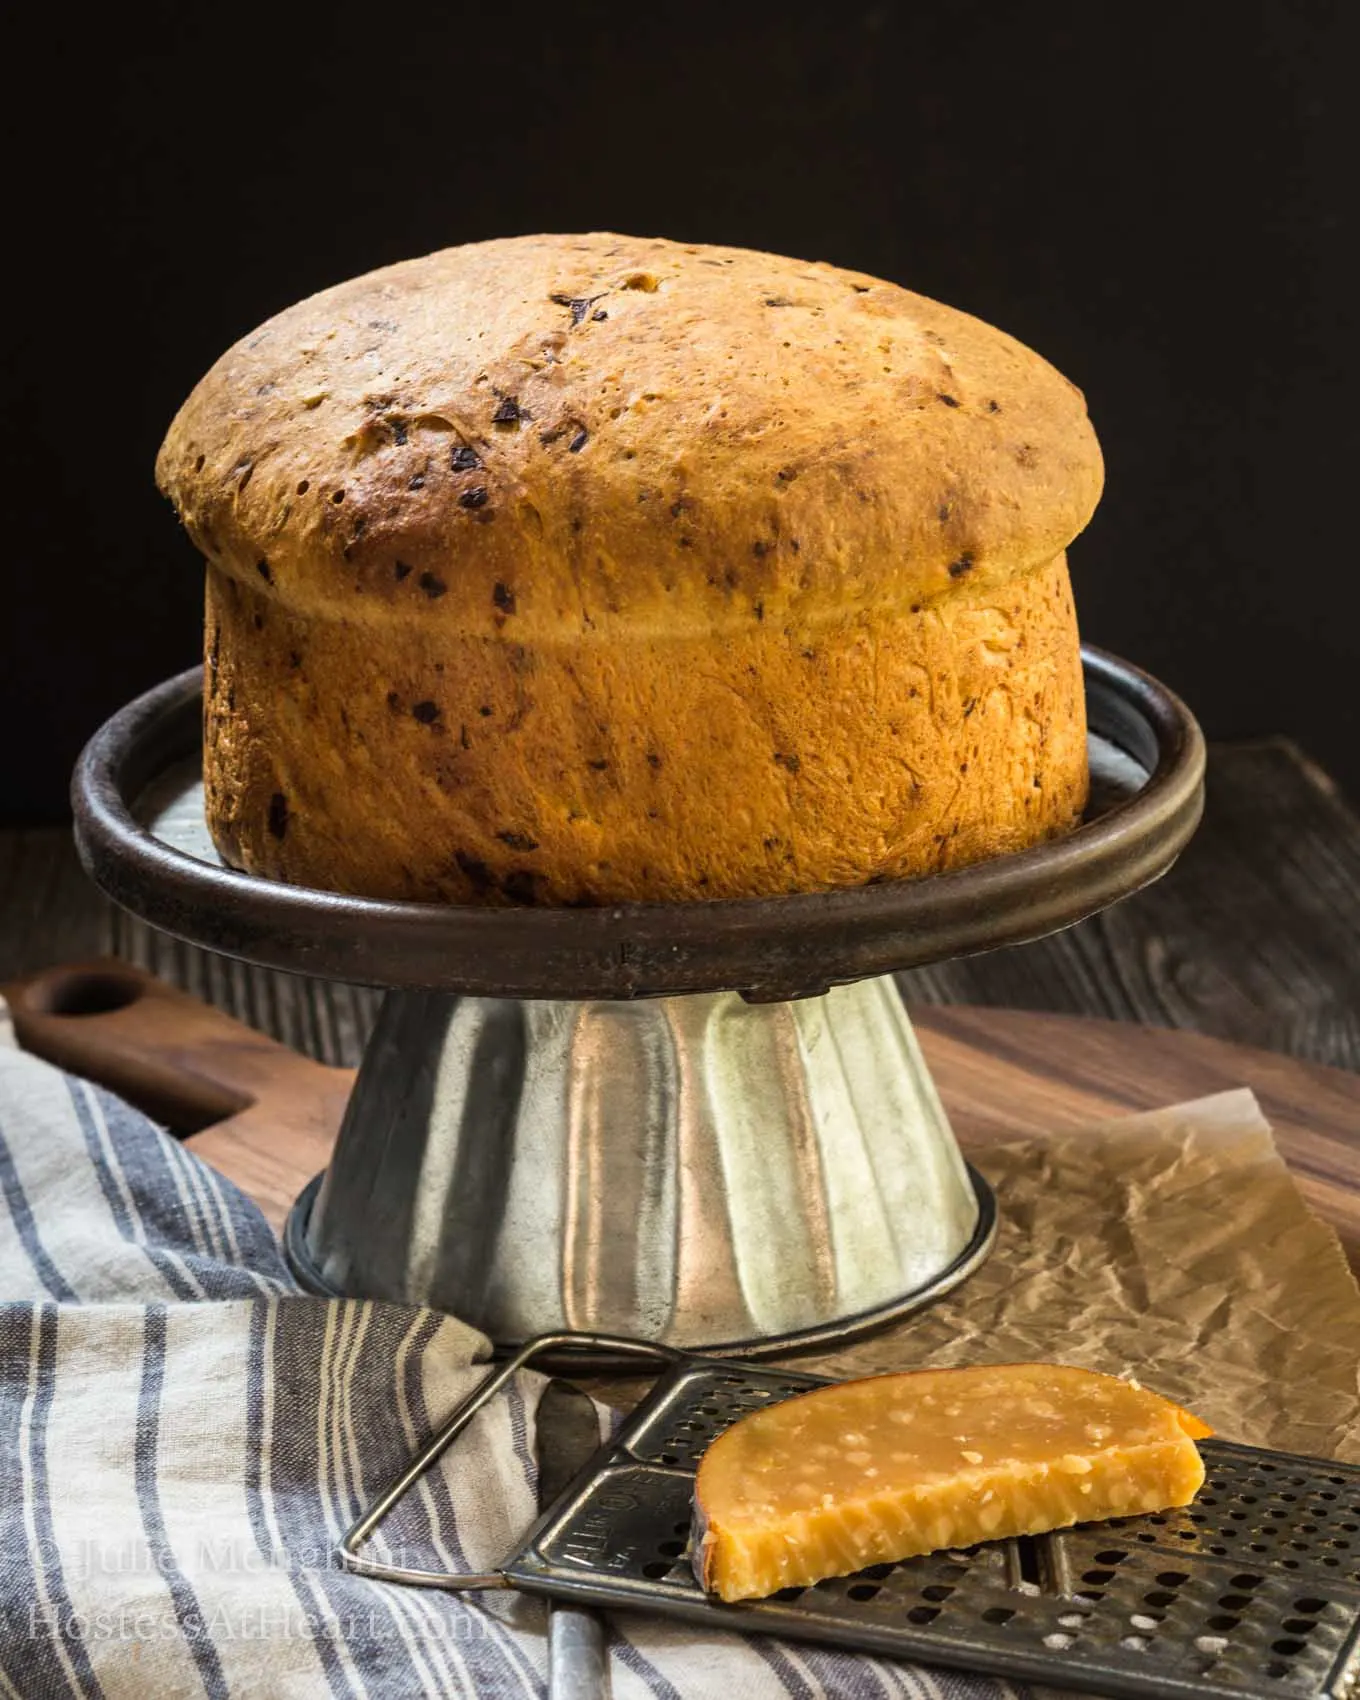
{"points": [[259, 622], [503, 597], [518, 841], [760, 549], [993, 407], [653, 760], [393, 702], [416, 481], [1027, 455], [463, 738], [579, 305], [969, 706], [758, 610], [485, 711], [509, 412], [304, 485], [788, 760], [963, 767], [200, 463], [948, 400], [476, 497], [598, 764], [295, 658], [401, 570], [278, 815], [778, 301], [809, 655], [963, 565], [860, 288], [599, 314], [337, 496], [464, 458], [578, 442], [476, 872], [399, 433], [786, 475], [262, 568], [518, 886], [432, 585], [795, 545], [943, 512], [425, 712]]}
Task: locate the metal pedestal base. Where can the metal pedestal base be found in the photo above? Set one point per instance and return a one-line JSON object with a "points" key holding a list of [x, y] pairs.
{"points": [[695, 1170]]}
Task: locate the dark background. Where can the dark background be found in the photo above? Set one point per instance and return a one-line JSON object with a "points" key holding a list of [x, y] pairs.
{"points": [[1158, 200]]}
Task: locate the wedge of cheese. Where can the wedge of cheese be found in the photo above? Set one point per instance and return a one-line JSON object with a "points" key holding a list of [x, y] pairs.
{"points": [[866, 1472]]}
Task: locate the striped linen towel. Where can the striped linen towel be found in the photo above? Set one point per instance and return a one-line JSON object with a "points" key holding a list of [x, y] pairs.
{"points": [[184, 1436]]}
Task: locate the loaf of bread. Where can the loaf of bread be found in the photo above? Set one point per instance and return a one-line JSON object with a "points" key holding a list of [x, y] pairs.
{"points": [[581, 569]]}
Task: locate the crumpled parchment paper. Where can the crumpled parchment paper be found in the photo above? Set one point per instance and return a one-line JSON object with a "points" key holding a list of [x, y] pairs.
{"points": [[1173, 1246]]}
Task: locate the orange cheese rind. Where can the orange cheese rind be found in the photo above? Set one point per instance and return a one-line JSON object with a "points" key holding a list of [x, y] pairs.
{"points": [[872, 1471]]}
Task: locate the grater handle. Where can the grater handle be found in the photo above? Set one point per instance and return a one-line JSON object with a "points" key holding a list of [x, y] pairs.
{"points": [[438, 1444]]}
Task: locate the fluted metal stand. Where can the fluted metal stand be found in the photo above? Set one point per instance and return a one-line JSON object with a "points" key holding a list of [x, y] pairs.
{"points": [[697, 1170]]}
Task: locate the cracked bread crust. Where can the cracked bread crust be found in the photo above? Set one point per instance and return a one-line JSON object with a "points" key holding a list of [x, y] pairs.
{"points": [[581, 569]]}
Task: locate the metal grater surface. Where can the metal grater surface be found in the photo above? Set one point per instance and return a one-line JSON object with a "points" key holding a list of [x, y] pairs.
{"points": [[1252, 1590]]}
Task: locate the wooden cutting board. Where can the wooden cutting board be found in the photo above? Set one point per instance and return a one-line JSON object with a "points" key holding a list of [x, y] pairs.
{"points": [[267, 1117]]}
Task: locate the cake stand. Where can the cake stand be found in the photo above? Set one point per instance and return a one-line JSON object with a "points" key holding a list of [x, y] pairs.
{"points": [[705, 1124]]}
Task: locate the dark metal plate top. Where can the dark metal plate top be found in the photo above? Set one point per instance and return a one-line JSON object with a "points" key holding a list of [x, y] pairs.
{"points": [[137, 797], [1253, 1590]]}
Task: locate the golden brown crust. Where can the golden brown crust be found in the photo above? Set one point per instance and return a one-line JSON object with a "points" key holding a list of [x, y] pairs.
{"points": [[549, 436], [396, 762], [581, 569]]}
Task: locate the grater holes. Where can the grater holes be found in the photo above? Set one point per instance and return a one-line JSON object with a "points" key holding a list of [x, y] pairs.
{"points": [[938, 1591], [787, 1594], [1310, 1607], [864, 1591], [1111, 1557], [671, 1549], [1097, 1577], [1172, 1579], [1235, 1602], [680, 1528], [923, 1614], [1298, 1625], [1246, 1580], [1276, 1669], [1222, 1623], [656, 1569], [1160, 1597], [997, 1614]]}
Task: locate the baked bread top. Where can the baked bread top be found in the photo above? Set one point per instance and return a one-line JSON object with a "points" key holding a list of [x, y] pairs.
{"points": [[558, 433]]}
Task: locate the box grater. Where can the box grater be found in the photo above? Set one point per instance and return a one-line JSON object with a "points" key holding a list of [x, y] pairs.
{"points": [[1253, 1590]]}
